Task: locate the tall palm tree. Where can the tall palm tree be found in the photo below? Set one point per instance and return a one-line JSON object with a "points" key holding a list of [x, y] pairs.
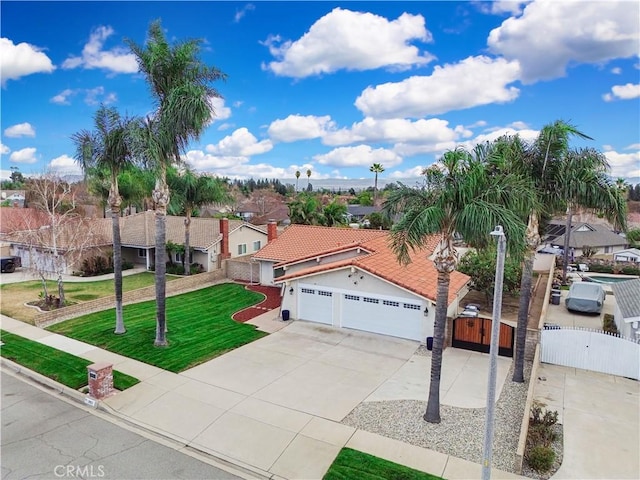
{"points": [[464, 196], [180, 87], [376, 168], [108, 148], [297, 177], [189, 193], [305, 210], [308, 178], [545, 164]]}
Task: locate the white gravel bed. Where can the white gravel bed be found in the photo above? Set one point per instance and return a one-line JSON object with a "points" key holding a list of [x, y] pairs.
{"points": [[461, 430]]}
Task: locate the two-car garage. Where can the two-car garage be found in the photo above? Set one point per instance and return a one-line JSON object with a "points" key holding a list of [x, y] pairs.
{"points": [[394, 316]]}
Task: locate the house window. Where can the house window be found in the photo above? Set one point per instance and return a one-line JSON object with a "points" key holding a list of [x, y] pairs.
{"points": [[179, 257], [411, 306], [369, 300], [607, 249], [242, 249], [324, 294], [256, 245], [142, 253], [308, 290], [352, 297], [390, 303]]}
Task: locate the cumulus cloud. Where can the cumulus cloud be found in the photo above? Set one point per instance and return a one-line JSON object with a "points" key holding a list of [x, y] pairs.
{"points": [[358, 156], [249, 7], [412, 172], [62, 98], [299, 127], [220, 111], [92, 96], [22, 59], [347, 40], [625, 165], [116, 60], [25, 155], [4, 149], [64, 165], [623, 92], [20, 130], [545, 43], [241, 143], [473, 81]]}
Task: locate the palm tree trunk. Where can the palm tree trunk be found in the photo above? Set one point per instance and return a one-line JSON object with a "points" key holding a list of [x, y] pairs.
{"points": [[187, 237], [523, 317], [115, 202], [161, 198], [567, 236], [432, 414]]}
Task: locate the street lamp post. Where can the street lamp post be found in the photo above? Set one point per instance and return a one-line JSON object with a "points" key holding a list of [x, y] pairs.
{"points": [[487, 450]]}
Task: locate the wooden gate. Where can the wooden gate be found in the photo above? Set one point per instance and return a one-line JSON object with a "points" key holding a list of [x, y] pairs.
{"points": [[475, 334]]}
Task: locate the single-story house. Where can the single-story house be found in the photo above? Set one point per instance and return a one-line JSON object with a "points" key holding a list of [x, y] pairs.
{"points": [[211, 239], [13, 197], [628, 255], [596, 236], [351, 278], [627, 312], [357, 213]]}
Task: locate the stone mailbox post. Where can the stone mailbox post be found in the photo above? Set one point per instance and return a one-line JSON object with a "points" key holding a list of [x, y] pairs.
{"points": [[100, 380]]}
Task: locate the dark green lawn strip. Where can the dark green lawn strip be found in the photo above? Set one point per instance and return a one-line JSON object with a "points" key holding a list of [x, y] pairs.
{"points": [[355, 465], [199, 324], [60, 366]]}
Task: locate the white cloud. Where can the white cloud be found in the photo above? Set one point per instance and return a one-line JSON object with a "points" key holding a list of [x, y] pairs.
{"points": [[625, 165], [65, 165], [4, 149], [616, 70], [473, 81], [25, 155], [20, 130], [241, 143], [92, 96], [20, 60], [63, 97], [358, 156], [413, 172], [116, 60], [506, 6], [220, 112], [525, 133], [348, 40], [633, 146], [249, 7], [298, 127], [623, 92], [551, 35]]}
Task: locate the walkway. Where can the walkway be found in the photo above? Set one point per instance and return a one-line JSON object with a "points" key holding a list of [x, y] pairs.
{"points": [[271, 301]]}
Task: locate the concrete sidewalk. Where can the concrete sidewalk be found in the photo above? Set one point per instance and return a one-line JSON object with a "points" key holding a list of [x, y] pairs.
{"points": [[281, 421]]}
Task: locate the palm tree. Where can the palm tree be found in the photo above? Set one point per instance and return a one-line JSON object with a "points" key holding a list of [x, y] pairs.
{"points": [[545, 164], [108, 148], [376, 168], [191, 192], [297, 177], [305, 210], [334, 213], [465, 197], [180, 87], [308, 178]]}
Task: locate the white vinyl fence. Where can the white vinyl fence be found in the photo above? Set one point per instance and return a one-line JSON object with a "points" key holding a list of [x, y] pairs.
{"points": [[593, 350]]}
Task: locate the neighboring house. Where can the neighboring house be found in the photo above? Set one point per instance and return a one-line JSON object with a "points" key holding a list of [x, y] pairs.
{"points": [[357, 213], [211, 239], [627, 312], [350, 278], [596, 236], [15, 198], [628, 255]]}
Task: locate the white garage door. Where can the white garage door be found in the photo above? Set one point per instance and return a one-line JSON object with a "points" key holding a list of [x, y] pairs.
{"points": [[397, 318], [316, 305]]}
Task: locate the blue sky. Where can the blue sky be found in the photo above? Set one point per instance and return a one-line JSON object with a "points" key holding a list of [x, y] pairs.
{"points": [[331, 86]]}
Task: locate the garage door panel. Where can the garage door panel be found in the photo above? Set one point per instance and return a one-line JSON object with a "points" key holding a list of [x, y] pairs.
{"points": [[316, 305]]}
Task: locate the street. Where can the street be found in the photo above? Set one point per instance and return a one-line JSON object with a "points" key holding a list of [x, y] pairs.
{"points": [[44, 437]]}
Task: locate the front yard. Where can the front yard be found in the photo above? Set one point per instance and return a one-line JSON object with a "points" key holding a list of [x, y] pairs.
{"points": [[199, 325]]}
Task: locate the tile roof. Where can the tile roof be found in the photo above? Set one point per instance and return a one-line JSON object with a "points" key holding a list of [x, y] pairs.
{"points": [[600, 236], [299, 241], [419, 276]]}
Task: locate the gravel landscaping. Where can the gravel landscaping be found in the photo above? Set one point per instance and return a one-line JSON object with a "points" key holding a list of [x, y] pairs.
{"points": [[461, 430]]}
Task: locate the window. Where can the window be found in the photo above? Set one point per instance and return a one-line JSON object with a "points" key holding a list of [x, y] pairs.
{"points": [[389, 303], [324, 294], [179, 257], [308, 290], [352, 297], [142, 253], [242, 249], [370, 300], [256, 245], [411, 306]]}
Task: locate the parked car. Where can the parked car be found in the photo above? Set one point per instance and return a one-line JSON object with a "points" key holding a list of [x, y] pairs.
{"points": [[585, 297], [9, 264]]}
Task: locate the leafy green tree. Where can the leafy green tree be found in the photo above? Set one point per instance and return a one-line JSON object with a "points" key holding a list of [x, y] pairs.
{"points": [[180, 85], [376, 168], [107, 148], [378, 221], [305, 210], [464, 196], [334, 213], [633, 235], [190, 193], [365, 199], [480, 265]]}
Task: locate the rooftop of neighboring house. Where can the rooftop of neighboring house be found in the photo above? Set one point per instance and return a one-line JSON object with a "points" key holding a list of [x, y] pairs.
{"points": [[592, 235], [627, 298], [18, 219], [376, 257]]}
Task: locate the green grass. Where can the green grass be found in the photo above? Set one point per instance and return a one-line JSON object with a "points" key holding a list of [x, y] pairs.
{"points": [[199, 323], [58, 365], [354, 465]]}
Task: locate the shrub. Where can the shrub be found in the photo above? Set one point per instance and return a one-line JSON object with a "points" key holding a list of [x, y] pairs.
{"points": [[596, 268], [630, 270], [541, 435], [540, 416], [97, 265], [609, 324], [541, 458]]}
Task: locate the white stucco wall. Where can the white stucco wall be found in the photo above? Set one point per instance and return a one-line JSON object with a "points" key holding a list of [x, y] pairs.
{"points": [[246, 235]]}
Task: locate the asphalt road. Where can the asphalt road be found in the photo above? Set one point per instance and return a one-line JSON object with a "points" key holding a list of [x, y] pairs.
{"points": [[45, 437]]}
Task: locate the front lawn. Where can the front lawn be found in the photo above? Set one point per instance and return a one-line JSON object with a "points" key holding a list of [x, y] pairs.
{"points": [[355, 465], [58, 365], [199, 327]]}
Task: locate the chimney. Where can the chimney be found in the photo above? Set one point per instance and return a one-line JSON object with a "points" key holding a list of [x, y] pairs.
{"points": [[272, 231], [224, 230]]}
